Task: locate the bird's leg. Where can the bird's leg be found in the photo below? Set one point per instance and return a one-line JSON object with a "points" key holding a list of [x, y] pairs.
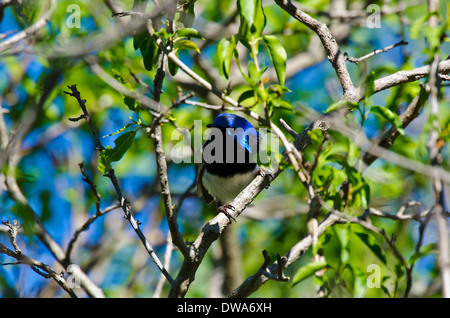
{"points": [[264, 171], [223, 209]]}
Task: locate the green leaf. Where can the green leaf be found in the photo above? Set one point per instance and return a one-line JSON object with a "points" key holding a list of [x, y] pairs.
{"points": [[253, 72], [426, 250], [149, 51], [104, 162], [372, 245], [246, 95], [252, 21], [130, 102], [187, 45], [417, 25], [342, 104], [359, 281], [278, 104], [246, 9], [259, 20], [284, 105], [389, 116], [433, 36], [369, 84], [342, 233], [138, 40], [278, 55], [173, 67], [225, 51], [108, 155], [307, 271], [188, 33]]}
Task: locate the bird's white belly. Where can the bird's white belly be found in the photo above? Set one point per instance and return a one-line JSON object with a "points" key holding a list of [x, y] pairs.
{"points": [[225, 189]]}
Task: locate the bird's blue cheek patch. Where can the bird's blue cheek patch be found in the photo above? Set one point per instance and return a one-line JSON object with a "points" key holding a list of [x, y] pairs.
{"points": [[246, 141]]}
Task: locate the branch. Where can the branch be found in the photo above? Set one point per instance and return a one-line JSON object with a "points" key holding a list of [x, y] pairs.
{"points": [[389, 137], [34, 265], [337, 60], [22, 35], [85, 226], [8, 153], [122, 200], [161, 164], [334, 54], [436, 160], [403, 77], [91, 220], [375, 52], [254, 282], [147, 103]]}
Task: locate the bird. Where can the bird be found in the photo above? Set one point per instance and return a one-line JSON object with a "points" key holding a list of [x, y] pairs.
{"points": [[228, 160]]}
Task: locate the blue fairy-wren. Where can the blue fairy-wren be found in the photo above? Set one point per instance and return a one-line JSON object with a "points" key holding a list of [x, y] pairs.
{"points": [[228, 160]]}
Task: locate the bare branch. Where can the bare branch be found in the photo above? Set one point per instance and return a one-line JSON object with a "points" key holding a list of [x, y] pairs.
{"points": [[254, 282], [161, 162], [36, 266], [22, 35], [146, 102], [436, 160], [375, 52], [403, 77], [334, 54], [122, 200]]}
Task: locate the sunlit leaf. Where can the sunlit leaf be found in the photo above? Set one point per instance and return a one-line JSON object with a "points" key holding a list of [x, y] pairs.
{"points": [[188, 33], [278, 56], [389, 116], [149, 51], [372, 244], [308, 270], [108, 155], [187, 45]]}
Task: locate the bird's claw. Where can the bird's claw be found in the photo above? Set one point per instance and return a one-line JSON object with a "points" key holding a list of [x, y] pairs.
{"points": [[223, 209], [265, 172]]}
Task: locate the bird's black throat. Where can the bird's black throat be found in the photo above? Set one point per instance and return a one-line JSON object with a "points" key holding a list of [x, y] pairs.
{"points": [[238, 160]]}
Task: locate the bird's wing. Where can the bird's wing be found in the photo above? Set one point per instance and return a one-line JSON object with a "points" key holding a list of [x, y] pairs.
{"points": [[201, 191]]}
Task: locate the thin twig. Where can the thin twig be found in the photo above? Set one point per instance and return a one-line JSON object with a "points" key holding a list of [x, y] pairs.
{"points": [[35, 265], [85, 226], [375, 52], [122, 200], [24, 34], [146, 103], [155, 133]]}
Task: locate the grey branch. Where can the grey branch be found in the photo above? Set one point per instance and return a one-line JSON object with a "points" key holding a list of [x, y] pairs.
{"points": [[24, 34], [436, 160], [35, 265], [375, 52], [122, 200]]}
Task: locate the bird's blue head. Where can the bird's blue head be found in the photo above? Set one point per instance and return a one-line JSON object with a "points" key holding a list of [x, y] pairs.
{"points": [[245, 134]]}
